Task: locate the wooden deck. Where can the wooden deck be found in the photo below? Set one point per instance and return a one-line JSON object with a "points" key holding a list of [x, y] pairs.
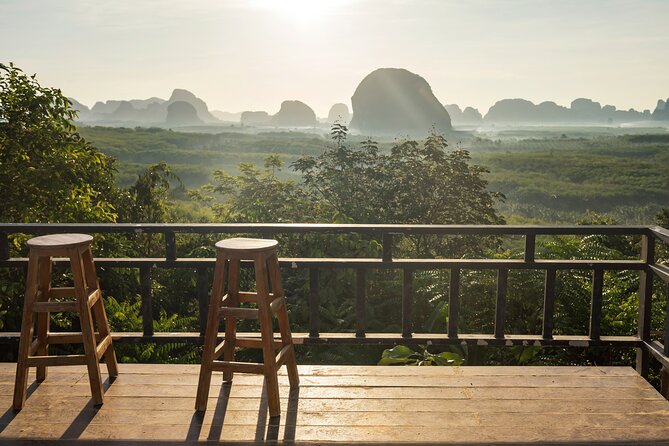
{"points": [[153, 404]]}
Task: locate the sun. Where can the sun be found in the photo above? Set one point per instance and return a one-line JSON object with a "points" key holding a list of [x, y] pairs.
{"points": [[299, 10]]}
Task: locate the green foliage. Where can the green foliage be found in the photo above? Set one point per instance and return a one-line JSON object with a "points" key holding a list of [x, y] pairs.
{"points": [[402, 355], [48, 172], [124, 316], [414, 183]]}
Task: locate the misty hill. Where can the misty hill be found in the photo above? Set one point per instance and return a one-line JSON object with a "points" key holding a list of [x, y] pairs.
{"points": [[661, 112], [226, 116], [294, 114], [339, 112], [581, 110], [182, 113], [152, 111], [391, 101], [468, 116], [255, 118]]}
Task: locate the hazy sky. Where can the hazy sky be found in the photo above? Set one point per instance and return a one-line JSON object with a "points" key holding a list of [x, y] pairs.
{"points": [[250, 55]]}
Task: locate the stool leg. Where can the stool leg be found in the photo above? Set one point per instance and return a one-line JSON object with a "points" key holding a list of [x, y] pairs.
{"points": [[284, 323], [267, 334], [43, 318], [231, 322], [25, 341], [109, 354], [87, 329], [213, 318]]}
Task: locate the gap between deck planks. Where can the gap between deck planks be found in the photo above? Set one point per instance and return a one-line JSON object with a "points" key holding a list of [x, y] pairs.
{"points": [[346, 404]]}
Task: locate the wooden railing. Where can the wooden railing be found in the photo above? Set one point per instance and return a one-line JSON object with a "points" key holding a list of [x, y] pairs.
{"points": [[645, 264]]}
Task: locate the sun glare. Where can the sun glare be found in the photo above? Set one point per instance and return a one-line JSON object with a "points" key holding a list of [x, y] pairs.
{"points": [[300, 10]]}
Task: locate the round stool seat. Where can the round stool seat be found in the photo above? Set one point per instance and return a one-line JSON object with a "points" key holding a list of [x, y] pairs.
{"points": [[59, 240], [247, 244]]}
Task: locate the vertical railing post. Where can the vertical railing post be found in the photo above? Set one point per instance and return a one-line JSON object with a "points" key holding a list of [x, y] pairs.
{"points": [[549, 304], [645, 302], [454, 303], [147, 301], [666, 323], [202, 298], [530, 240], [407, 303], [4, 246], [360, 297], [387, 247], [596, 304], [500, 306], [170, 245], [314, 302]]}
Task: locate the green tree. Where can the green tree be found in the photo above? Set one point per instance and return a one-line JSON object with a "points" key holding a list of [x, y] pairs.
{"points": [[48, 172]]}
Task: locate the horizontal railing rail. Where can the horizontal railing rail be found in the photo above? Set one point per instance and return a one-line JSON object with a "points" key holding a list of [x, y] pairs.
{"points": [[645, 264]]}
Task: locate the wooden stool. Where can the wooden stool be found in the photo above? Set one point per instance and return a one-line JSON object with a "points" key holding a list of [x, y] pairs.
{"points": [[270, 299], [88, 298]]}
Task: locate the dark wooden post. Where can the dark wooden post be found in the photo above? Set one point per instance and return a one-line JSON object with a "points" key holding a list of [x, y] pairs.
{"points": [[529, 247], [666, 323], [360, 297], [549, 304], [387, 247], [314, 302], [202, 289], [4, 246], [500, 307], [170, 246], [145, 292], [664, 382], [596, 303], [645, 302], [454, 303], [407, 303]]}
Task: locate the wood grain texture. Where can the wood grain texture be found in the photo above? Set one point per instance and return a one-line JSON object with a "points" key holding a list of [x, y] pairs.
{"points": [[344, 404]]}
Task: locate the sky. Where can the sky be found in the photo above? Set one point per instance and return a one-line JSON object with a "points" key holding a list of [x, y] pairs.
{"points": [[253, 54]]}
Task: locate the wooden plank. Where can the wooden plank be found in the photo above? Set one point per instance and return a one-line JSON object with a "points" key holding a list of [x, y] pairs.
{"points": [[314, 303], [500, 306], [549, 304], [453, 303], [152, 371], [529, 247], [387, 244], [4, 246], [147, 300], [360, 298], [645, 303], [323, 228], [407, 303], [202, 291], [384, 339], [170, 246], [370, 263], [596, 304]]}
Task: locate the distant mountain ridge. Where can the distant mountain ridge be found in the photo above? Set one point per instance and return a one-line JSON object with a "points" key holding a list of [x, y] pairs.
{"points": [[151, 111], [387, 101], [581, 110]]}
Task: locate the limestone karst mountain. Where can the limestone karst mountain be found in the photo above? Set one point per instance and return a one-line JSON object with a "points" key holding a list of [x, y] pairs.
{"points": [[294, 114], [339, 112], [255, 118], [582, 110], [661, 112], [200, 106], [182, 113], [151, 111], [468, 116], [392, 101]]}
